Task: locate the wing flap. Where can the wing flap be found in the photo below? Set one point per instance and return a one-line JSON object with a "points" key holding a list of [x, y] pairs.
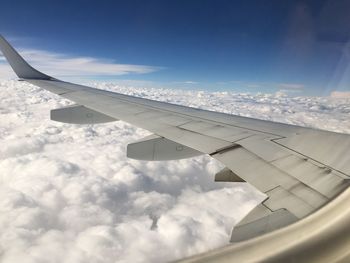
{"points": [[291, 182], [321, 179], [280, 198], [266, 221], [328, 148], [253, 169], [309, 195]]}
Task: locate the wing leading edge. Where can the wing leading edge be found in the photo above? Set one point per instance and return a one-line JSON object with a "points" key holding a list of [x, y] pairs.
{"points": [[299, 169]]}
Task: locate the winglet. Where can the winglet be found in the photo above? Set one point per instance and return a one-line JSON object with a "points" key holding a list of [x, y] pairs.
{"points": [[22, 69]]}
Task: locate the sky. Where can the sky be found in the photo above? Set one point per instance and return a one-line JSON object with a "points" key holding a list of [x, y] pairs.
{"points": [[299, 47], [260, 59]]}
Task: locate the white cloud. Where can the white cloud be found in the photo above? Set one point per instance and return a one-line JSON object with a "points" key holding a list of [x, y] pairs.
{"points": [[190, 82], [187, 82], [287, 92], [63, 65], [69, 190]]}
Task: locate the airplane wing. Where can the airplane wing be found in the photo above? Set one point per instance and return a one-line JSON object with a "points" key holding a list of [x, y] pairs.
{"points": [[299, 169]]}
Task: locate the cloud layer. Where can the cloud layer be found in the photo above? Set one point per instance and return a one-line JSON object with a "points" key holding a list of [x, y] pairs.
{"points": [[68, 191]]}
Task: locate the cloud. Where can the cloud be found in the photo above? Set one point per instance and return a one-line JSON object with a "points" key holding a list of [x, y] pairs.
{"points": [[57, 64], [286, 89], [69, 190], [190, 82], [187, 82], [340, 94]]}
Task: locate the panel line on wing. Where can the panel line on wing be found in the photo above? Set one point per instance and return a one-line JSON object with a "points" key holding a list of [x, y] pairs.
{"points": [[308, 157], [141, 103]]}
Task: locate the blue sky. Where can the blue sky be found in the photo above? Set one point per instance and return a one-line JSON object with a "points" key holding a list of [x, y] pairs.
{"points": [[300, 47]]}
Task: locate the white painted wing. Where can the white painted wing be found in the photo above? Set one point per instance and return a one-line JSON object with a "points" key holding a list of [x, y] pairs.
{"points": [[299, 169]]}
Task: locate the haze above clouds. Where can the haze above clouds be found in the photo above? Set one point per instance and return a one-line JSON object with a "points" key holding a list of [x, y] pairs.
{"points": [[72, 66], [68, 192]]}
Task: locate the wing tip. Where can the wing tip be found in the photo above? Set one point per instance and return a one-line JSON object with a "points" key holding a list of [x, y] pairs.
{"points": [[21, 67]]}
